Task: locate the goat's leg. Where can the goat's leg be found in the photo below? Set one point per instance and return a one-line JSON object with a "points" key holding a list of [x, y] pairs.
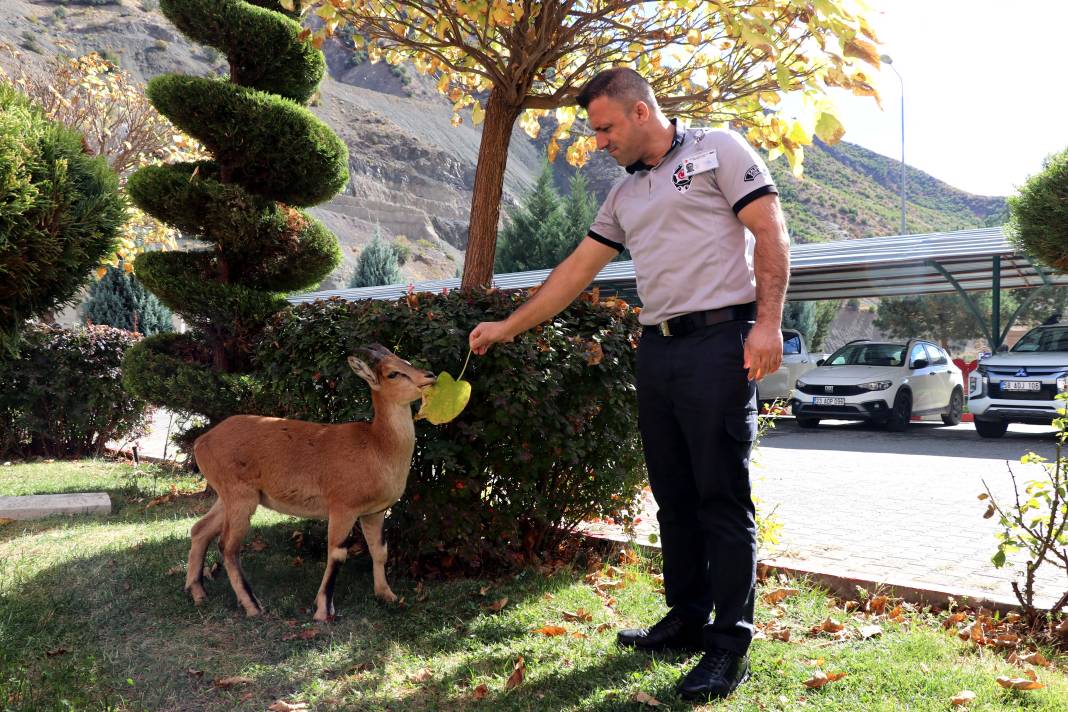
{"points": [[235, 526], [203, 533], [337, 534], [372, 532]]}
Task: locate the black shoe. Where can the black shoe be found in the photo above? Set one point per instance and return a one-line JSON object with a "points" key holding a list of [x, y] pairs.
{"points": [[673, 632], [717, 675]]}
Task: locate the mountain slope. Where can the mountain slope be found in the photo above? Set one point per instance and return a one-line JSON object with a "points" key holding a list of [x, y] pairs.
{"points": [[412, 172]]}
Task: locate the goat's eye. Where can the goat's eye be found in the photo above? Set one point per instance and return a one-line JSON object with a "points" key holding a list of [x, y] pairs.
{"points": [[394, 374]]}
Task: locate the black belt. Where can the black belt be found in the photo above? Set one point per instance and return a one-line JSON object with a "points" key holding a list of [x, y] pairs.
{"points": [[688, 323]]}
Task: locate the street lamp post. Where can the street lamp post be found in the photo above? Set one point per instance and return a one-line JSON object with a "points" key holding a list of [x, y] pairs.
{"points": [[890, 62]]}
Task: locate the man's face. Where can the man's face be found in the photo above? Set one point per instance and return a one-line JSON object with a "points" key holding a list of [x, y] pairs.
{"points": [[618, 128]]}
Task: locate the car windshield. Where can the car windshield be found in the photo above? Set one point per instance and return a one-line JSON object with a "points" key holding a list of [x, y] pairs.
{"points": [[867, 355], [1043, 340]]}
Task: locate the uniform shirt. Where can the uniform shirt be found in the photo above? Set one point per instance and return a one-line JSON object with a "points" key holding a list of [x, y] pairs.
{"points": [[680, 222]]}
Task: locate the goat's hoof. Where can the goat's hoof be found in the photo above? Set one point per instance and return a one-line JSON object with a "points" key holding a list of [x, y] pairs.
{"points": [[198, 596], [387, 596], [253, 612]]}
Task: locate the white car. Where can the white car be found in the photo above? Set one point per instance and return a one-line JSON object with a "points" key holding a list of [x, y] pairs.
{"points": [[881, 382], [796, 362], [1021, 385]]}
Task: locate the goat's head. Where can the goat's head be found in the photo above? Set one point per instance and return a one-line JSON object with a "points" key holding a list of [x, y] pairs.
{"points": [[390, 375]]}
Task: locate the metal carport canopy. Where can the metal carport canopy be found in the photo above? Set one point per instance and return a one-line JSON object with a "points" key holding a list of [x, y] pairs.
{"points": [[897, 265]]}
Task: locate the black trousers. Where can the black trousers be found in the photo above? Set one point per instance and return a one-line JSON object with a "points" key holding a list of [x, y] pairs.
{"points": [[697, 415]]}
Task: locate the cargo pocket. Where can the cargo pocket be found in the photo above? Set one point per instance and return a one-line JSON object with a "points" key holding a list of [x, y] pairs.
{"points": [[741, 425]]}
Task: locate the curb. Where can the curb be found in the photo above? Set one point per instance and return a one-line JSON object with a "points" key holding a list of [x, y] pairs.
{"points": [[844, 583]]}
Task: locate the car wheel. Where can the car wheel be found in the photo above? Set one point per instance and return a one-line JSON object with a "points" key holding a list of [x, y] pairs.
{"points": [[956, 407], [901, 413], [808, 422], [991, 428]]}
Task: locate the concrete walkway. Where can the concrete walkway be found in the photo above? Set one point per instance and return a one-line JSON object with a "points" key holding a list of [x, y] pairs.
{"points": [[859, 504]]}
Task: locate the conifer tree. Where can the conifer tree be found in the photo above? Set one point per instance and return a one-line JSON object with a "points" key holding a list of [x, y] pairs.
{"points": [[119, 299], [271, 157], [535, 235], [378, 264]]}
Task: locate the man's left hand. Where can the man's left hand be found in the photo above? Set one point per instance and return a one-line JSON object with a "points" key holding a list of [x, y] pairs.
{"points": [[763, 350]]}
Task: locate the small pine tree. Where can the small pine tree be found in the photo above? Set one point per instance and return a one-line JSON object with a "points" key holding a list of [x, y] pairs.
{"points": [[802, 317], [120, 300], [580, 209], [536, 235], [378, 264]]}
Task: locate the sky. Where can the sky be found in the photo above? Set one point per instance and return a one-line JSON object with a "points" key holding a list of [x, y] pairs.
{"points": [[985, 89]]}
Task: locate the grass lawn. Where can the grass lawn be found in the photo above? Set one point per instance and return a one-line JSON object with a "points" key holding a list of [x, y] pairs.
{"points": [[92, 616]]}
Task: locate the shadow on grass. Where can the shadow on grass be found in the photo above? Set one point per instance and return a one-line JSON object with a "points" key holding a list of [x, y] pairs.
{"points": [[106, 623]]}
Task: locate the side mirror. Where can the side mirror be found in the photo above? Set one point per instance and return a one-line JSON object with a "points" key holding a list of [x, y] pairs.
{"points": [[1003, 348], [920, 363], [820, 362]]}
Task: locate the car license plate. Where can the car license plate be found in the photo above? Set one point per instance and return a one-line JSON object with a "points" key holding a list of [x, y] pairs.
{"points": [[1021, 385], [824, 400]]}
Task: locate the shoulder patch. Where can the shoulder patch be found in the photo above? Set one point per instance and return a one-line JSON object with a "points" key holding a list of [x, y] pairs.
{"points": [[752, 173]]}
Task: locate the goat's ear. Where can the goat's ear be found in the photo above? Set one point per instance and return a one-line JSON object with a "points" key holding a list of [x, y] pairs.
{"points": [[365, 372]]}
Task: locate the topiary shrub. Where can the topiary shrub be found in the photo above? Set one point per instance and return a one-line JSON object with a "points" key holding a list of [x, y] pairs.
{"points": [[1038, 220], [270, 154], [62, 396], [60, 212], [118, 299], [549, 439]]}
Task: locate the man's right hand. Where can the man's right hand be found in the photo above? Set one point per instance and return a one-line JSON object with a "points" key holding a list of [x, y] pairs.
{"points": [[488, 333]]}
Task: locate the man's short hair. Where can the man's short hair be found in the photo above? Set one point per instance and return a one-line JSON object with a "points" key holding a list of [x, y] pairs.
{"points": [[620, 83]]}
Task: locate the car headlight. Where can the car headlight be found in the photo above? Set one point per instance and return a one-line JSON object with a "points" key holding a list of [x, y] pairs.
{"points": [[1062, 383], [875, 385], [977, 381], [799, 384]]}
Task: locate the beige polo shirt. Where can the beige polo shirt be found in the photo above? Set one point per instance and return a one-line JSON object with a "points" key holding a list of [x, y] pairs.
{"points": [[680, 222]]}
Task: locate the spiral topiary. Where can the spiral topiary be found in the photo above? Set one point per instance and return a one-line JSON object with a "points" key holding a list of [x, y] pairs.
{"points": [[270, 154]]}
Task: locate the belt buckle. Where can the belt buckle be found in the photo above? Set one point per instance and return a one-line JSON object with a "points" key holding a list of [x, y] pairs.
{"points": [[665, 330]]}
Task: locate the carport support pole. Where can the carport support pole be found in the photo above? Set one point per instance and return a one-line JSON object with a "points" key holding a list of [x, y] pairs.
{"points": [[995, 305]]}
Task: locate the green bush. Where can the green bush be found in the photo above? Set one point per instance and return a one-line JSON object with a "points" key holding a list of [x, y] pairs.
{"points": [[119, 299], [269, 154], [62, 396], [60, 212], [1038, 220], [378, 264], [549, 439]]}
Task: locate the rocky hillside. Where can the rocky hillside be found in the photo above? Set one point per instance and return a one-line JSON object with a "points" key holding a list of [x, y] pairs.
{"points": [[412, 171]]}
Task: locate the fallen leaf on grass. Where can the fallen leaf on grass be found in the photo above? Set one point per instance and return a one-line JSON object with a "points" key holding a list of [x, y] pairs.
{"points": [[258, 544], [497, 605], [1062, 627], [579, 634], [820, 678], [55, 652], [518, 673], [603, 627], [551, 630], [225, 683], [422, 675], [421, 594], [773, 597], [897, 615], [1035, 658], [480, 692], [580, 615], [830, 625], [306, 634], [282, 706], [870, 631], [1018, 683], [877, 604], [962, 698], [645, 699], [954, 620], [174, 570]]}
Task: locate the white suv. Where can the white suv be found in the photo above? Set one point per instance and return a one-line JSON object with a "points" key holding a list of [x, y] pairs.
{"points": [[882, 382], [1020, 386]]}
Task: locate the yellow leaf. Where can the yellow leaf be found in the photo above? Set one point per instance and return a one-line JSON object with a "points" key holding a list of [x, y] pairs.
{"points": [[645, 699], [456, 120], [553, 149], [287, 4], [863, 50], [829, 128], [694, 37], [445, 400], [477, 114], [1018, 683]]}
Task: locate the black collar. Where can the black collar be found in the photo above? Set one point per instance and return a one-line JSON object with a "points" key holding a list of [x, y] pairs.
{"points": [[676, 141]]}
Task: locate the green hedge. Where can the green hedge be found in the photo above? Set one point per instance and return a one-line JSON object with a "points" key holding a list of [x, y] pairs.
{"points": [[60, 212], [62, 396], [549, 439], [1039, 213]]}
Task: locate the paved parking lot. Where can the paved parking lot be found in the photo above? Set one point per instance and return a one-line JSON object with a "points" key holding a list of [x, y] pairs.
{"points": [[858, 502]]}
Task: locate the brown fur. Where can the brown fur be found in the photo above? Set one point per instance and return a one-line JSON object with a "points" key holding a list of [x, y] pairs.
{"points": [[344, 473]]}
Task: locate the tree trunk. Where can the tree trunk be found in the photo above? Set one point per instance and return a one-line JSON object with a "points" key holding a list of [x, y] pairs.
{"points": [[489, 184]]}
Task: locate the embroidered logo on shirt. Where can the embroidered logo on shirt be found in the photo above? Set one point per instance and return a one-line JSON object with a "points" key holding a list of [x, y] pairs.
{"points": [[681, 177], [752, 173]]}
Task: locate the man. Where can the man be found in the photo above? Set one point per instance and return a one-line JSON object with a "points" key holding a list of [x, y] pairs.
{"points": [[683, 210]]}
